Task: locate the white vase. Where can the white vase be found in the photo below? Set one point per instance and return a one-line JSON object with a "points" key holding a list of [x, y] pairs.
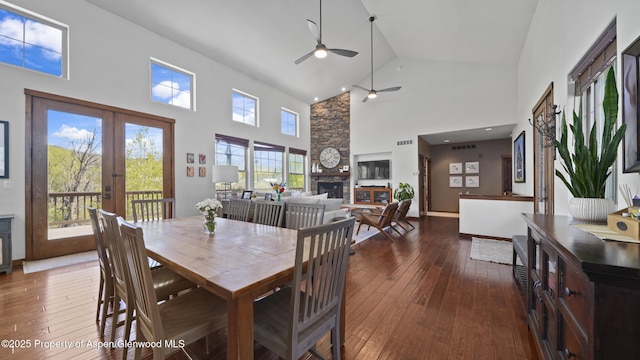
{"points": [[592, 209]]}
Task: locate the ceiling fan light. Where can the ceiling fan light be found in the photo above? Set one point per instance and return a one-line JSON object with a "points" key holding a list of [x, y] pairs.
{"points": [[320, 53], [372, 95]]}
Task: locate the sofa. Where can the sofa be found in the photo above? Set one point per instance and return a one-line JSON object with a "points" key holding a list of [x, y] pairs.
{"points": [[332, 206]]}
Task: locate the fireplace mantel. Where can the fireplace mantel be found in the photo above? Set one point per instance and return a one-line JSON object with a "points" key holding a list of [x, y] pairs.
{"points": [[331, 173]]}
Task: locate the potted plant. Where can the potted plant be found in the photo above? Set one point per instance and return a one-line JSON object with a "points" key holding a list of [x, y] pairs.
{"points": [[586, 169], [403, 192]]}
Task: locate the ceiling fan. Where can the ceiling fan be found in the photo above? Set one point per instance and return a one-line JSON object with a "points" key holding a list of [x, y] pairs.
{"points": [[372, 92], [321, 50]]}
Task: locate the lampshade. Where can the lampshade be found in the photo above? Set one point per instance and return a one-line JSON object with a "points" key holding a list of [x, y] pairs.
{"points": [[224, 174]]}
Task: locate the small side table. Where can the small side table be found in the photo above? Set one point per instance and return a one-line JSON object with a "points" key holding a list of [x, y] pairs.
{"points": [[5, 243]]}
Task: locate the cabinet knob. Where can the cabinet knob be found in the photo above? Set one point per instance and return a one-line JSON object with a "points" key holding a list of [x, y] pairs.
{"points": [[568, 354], [569, 292], [537, 286]]}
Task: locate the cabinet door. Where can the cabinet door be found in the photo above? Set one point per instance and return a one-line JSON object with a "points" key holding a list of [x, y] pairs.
{"points": [[363, 196], [381, 196]]}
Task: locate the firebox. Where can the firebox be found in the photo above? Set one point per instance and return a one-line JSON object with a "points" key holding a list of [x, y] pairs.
{"points": [[333, 189]]}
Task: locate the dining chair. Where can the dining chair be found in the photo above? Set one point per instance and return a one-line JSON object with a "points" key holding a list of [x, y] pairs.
{"points": [[239, 209], [185, 318], [165, 282], [105, 291], [380, 221], [153, 209], [291, 321], [401, 214], [145, 210], [268, 212], [300, 215]]}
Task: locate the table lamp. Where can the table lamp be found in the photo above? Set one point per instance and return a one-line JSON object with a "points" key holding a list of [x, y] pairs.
{"points": [[225, 174]]}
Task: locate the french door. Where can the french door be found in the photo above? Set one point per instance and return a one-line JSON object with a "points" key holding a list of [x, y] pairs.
{"points": [[88, 155]]}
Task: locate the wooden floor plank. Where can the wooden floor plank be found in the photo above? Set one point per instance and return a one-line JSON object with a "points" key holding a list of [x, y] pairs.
{"points": [[418, 297]]}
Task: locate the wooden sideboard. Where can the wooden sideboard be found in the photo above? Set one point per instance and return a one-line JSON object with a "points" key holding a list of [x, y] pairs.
{"points": [[583, 293], [6, 262], [372, 195]]}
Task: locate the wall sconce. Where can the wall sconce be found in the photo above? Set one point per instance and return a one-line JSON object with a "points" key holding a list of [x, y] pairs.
{"points": [[546, 126]]}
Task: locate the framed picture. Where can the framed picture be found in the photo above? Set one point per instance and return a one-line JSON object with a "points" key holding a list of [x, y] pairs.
{"points": [[4, 149], [202, 158], [246, 195], [345, 167], [630, 88], [455, 181], [455, 168], [202, 171], [472, 167], [190, 171], [268, 196], [472, 181], [190, 158], [518, 159]]}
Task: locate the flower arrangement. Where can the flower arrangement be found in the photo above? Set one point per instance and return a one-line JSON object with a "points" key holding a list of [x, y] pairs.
{"points": [[278, 188], [209, 207]]}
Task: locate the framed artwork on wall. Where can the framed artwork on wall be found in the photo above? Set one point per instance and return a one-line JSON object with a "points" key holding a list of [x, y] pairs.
{"points": [[190, 171], [455, 181], [472, 181], [472, 167], [455, 168], [202, 171], [4, 149], [202, 158], [190, 158], [519, 159]]}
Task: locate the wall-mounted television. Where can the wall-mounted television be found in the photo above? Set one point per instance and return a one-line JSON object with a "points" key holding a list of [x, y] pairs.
{"points": [[374, 170]]}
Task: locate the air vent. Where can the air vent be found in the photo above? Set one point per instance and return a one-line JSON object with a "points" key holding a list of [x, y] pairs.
{"points": [[463, 147], [404, 142]]}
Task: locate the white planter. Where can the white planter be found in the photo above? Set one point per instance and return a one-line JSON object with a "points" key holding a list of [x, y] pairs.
{"points": [[591, 208]]}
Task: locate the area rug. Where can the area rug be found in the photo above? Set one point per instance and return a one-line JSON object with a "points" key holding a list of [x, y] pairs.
{"points": [[495, 251], [364, 233], [52, 263]]}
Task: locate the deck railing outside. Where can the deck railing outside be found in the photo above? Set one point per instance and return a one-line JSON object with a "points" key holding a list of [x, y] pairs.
{"points": [[70, 209]]}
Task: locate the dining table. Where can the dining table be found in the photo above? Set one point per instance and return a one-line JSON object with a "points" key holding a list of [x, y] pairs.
{"points": [[240, 262]]}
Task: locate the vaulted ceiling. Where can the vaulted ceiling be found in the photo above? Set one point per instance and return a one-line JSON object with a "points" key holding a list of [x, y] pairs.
{"points": [[263, 38]]}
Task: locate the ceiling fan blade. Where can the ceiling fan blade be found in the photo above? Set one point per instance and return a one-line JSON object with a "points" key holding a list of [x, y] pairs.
{"points": [[365, 99], [304, 57], [343, 52], [395, 88], [360, 87], [313, 27]]}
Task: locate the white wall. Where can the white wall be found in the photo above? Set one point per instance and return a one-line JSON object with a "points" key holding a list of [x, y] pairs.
{"points": [[559, 37], [435, 97], [109, 61]]}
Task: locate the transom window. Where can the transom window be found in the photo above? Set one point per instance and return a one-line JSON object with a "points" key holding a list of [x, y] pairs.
{"points": [[171, 85], [289, 122], [244, 108], [32, 42]]}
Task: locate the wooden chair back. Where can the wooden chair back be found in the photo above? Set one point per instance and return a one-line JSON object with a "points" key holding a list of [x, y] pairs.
{"points": [[300, 215], [145, 210], [98, 235], [239, 209], [105, 291], [135, 257], [388, 214], [112, 235], [268, 212], [403, 209]]}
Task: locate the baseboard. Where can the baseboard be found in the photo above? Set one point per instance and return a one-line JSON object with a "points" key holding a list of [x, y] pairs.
{"points": [[469, 236]]}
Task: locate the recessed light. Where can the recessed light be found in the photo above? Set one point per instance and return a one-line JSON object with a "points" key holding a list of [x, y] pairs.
{"points": [[344, 89], [315, 99], [446, 140], [488, 129]]}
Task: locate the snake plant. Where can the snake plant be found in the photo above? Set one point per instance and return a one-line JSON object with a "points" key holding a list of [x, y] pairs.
{"points": [[587, 171]]}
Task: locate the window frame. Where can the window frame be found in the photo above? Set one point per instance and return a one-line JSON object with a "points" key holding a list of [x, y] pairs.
{"points": [[243, 173], [296, 121], [268, 148], [64, 38], [178, 70], [256, 118], [303, 174]]}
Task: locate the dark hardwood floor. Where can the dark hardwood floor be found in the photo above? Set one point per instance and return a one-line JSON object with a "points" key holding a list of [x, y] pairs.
{"points": [[420, 297]]}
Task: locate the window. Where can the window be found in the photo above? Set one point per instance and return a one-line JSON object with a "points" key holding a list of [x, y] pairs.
{"points": [[289, 122], [171, 85], [296, 169], [589, 76], [267, 165], [30, 41], [232, 151], [244, 108]]}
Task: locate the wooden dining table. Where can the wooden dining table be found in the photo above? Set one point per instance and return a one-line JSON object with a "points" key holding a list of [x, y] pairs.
{"points": [[239, 263]]}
